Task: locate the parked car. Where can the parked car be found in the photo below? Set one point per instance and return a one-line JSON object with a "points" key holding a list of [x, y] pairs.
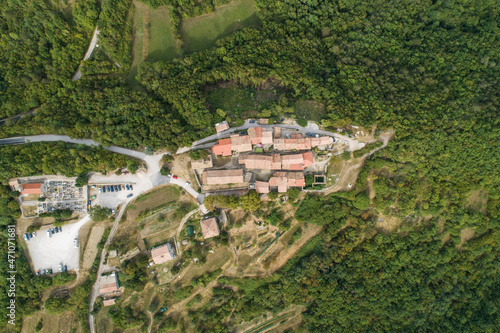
{"points": [[34, 234], [188, 183], [26, 237], [112, 189], [52, 231], [100, 190], [65, 268], [56, 230], [49, 234], [119, 187], [127, 187], [50, 270], [104, 189], [174, 177], [60, 268], [37, 272], [130, 195], [75, 242], [123, 187], [107, 188], [60, 229], [131, 188], [43, 272], [252, 121]]}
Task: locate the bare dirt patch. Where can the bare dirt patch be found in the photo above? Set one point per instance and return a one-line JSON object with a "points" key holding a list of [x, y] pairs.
{"points": [[181, 167], [388, 224], [466, 235], [91, 249], [477, 201]]}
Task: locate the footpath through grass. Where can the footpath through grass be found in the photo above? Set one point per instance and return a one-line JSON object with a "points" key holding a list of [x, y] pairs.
{"points": [[201, 32]]}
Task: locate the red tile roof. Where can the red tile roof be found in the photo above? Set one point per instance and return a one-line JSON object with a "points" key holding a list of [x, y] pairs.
{"points": [[216, 177], [308, 159], [163, 253], [241, 143], [209, 228], [222, 126], [223, 147], [262, 187], [283, 180], [35, 188]]}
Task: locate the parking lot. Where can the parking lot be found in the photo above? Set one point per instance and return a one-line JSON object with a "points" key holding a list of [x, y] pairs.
{"points": [[48, 253], [106, 198]]}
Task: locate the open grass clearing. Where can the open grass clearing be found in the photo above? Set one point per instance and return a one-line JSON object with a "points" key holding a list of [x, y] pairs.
{"points": [[141, 42], [309, 110], [243, 101], [149, 203], [162, 44], [201, 32], [64, 322], [214, 261]]}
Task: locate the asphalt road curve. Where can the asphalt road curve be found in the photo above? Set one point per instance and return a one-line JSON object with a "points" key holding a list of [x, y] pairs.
{"points": [[12, 141]]}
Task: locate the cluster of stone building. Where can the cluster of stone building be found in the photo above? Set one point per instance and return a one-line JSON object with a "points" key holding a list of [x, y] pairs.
{"points": [[291, 153]]}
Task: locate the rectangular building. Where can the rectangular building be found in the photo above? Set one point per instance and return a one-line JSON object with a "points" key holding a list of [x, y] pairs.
{"points": [[216, 177], [163, 253]]}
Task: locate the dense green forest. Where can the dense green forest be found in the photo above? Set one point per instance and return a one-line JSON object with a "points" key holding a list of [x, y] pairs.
{"points": [[40, 49], [429, 70]]}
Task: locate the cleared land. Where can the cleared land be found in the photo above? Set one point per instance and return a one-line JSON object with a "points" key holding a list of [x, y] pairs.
{"points": [[141, 20], [91, 249], [64, 322], [58, 249], [201, 32], [162, 44]]}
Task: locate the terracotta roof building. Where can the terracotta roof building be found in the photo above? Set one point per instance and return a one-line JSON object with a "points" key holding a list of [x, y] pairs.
{"points": [[216, 177], [308, 159], [210, 228], [283, 180], [222, 126], [241, 143], [223, 147], [277, 161], [162, 253], [108, 302], [262, 187], [259, 135], [297, 142], [35, 188], [108, 284], [257, 161], [292, 162]]}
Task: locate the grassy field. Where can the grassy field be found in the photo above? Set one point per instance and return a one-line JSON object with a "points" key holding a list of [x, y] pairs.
{"points": [[201, 32], [334, 168], [162, 45], [140, 46], [309, 110]]}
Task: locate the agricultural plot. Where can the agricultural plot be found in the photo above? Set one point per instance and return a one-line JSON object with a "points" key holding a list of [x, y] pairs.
{"points": [[162, 44], [201, 32], [153, 38]]}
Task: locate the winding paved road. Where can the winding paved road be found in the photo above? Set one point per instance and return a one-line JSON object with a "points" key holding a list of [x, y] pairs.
{"points": [[153, 177], [92, 45], [310, 128]]}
